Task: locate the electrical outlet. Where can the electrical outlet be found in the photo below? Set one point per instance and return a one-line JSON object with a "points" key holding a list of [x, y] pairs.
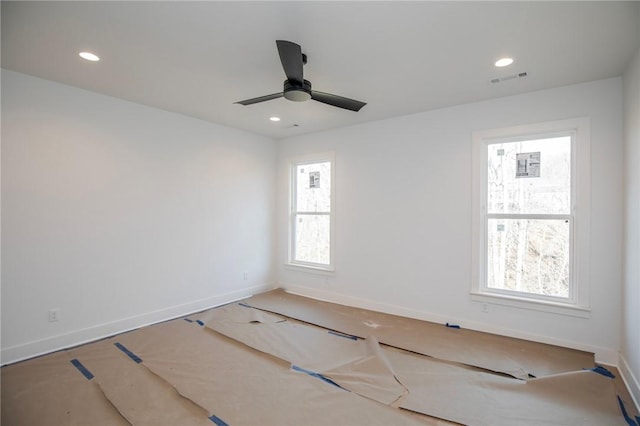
{"points": [[245, 275], [54, 315], [485, 308]]}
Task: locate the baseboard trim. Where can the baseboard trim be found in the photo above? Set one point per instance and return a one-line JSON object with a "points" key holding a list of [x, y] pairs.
{"points": [[630, 380], [602, 355], [51, 344]]}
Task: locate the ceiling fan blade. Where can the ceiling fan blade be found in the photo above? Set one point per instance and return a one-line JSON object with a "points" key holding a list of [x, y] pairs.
{"points": [[291, 58], [260, 99], [337, 101]]}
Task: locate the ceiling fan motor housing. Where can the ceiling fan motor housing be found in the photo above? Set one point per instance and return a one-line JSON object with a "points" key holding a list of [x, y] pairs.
{"points": [[297, 92]]}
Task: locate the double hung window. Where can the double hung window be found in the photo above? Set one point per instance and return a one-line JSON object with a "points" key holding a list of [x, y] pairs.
{"points": [[311, 212], [530, 227]]}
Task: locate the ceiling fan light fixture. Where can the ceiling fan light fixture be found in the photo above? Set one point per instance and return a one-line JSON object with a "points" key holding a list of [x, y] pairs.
{"points": [[297, 95], [296, 92]]}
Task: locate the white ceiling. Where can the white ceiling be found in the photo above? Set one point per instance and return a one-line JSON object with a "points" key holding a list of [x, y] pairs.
{"points": [[198, 58]]}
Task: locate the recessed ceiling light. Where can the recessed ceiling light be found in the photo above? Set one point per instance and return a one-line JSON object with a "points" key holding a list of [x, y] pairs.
{"points": [[89, 56], [274, 118], [503, 62]]}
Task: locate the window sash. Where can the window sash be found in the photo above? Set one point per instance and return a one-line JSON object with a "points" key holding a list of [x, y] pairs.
{"points": [[317, 249], [572, 290]]}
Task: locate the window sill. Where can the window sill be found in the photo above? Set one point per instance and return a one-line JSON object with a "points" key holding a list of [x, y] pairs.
{"points": [[310, 269], [534, 305]]}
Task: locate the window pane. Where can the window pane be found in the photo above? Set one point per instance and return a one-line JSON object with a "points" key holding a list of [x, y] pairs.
{"points": [[530, 256], [313, 187], [530, 177], [312, 238]]}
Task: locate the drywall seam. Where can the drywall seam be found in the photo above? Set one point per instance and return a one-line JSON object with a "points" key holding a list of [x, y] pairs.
{"points": [[602, 355], [54, 343], [630, 380]]}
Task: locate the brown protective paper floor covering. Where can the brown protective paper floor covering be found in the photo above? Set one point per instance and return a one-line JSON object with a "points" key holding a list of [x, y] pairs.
{"points": [[50, 391], [189, 371], [139, 395], [479, 398], [445, 390], [356, 365], [516, 357], [244, 387], [213, 374]]}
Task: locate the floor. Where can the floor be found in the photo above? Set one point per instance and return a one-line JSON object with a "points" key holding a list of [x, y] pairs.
{"points": [[282, 359]]}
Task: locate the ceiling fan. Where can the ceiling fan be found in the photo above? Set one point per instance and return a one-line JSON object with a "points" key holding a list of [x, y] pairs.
{"points": [[296, 88]]}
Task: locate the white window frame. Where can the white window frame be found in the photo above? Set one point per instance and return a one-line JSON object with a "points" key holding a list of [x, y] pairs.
{"points": [[578, 303], [293, 213]]}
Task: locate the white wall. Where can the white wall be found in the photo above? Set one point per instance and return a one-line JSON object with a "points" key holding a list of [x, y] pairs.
{"points": [[630, 349], [403, 215], [120, 215]]}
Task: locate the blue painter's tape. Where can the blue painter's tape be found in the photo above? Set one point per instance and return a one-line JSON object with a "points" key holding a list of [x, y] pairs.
{"points": [[188, 320], [85, 372], [346, 336], [218, 421], [626, 415], [128, 353], [452, 325], [200, 322], [317, 376], [601, 370]]}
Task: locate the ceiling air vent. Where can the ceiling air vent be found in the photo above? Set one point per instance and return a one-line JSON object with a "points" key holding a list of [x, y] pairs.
{"points": [[509, 77]]}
